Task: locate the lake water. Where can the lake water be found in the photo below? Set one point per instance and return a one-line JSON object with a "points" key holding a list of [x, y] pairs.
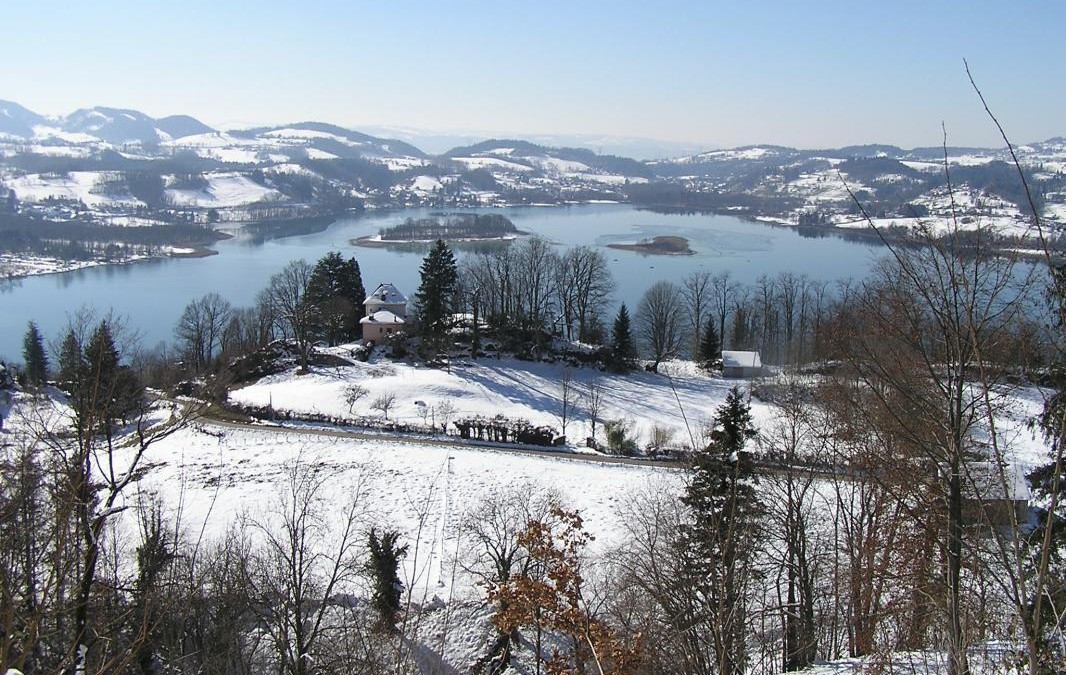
{"points": [[152, 295]]}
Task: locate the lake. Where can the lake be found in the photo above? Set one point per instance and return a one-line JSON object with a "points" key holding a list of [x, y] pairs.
{"points": [[152, 295]]}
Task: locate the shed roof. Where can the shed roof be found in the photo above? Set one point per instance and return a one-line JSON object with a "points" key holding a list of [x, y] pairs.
{"points": [[735, 359]]}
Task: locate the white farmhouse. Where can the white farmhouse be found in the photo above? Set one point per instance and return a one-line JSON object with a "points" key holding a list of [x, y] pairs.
{"points": [[386, 313]]}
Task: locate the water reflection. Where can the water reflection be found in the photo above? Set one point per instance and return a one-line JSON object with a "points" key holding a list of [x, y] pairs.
{"points": [[154, 293]]}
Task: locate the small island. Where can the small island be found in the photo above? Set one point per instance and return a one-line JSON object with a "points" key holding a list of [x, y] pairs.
{"points": [[460, 228], [661, 245]]}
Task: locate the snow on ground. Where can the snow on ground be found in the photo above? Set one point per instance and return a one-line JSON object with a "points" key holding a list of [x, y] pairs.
{"points": [[399, 163], [289, 167], [74, 185], [19, 265], [610, 179], [231, 155], [425, 184], [493, 162], [315, 153], [823, 186], [43, 131], [517, 389], [224, 189], [560, 166], [213, 475], [1055, 212], [56, 150]]}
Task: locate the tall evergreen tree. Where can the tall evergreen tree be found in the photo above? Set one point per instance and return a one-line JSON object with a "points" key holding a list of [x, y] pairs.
{"points": [[383, 570], [718, 542], [34, 355], [336, 291], [436, 297], [109, 390], [623, 348], [71, 367], [710, 345]]}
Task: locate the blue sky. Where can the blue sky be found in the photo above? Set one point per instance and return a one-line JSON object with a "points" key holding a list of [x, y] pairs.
{"points": [[807, 74]]}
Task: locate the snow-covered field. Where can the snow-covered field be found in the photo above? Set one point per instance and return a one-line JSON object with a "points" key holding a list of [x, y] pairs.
{"points": [[683, 400], [224, 189], [210, 475]]}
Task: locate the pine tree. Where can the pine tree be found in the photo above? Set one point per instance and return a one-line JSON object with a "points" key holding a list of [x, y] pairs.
{"points": [[383, 570], [718, 542], [71, 366], [108, 390], [34, 355], [710, 346], [336, 291], [623, 349], [436, 297]]}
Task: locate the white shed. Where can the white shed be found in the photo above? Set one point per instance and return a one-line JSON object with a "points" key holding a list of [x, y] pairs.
{"points": [[741, 364]]}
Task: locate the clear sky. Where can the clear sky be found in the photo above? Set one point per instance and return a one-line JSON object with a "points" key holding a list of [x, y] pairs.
{"points": [[806, 74]]}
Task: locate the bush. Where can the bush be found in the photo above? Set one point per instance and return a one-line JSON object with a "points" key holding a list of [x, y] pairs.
{"points": [[619, 440]]}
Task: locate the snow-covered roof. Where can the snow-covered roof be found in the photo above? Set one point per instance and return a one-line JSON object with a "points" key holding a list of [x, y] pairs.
{"points": [[735, 359], [992, 481], [386, 294], [383, 316]]}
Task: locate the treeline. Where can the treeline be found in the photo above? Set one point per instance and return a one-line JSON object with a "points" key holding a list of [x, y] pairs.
{"points": [[451, 226], [25, 234]]}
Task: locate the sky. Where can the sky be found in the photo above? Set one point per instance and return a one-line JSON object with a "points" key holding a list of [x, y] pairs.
{"points": [[716, 74]]}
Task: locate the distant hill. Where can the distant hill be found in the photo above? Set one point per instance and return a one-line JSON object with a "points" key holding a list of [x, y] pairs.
{"points": [[179, 126], [519, 149], [17, 120]]}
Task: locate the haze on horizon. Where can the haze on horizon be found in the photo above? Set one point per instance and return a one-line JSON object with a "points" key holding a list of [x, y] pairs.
{"points": [[816, 74]]}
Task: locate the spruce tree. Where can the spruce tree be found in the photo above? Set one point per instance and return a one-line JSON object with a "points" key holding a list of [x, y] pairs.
{"points": [[718, 541], [623, 349], [34, 355], [383, 570], [71, 366], [710, 345], [436, 297], [108, 390], [335, 290]]}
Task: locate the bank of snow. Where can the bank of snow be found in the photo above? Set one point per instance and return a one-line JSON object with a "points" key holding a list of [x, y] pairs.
{"points": [[683, 401], [211, 475]]}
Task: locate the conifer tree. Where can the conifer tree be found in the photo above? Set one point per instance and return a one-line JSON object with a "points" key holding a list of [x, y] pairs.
{"points": [[34, 355], [383, 570], [623, 349], [710, 345], [436, 297], [718, 542], [336, 291]]}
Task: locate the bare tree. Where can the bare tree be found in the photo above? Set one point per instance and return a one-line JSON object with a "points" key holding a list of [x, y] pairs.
{"points": [[307, 551], [568, 397], [723, 291], [594, 404], [492, 528], [354, 393], [384, 403], [584, 284], [659, 322], [696, 292], [286, 297], [201, 329], [442, 413]]}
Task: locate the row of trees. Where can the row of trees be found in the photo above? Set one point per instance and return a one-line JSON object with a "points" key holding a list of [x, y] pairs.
{"points": [[305, 303]]}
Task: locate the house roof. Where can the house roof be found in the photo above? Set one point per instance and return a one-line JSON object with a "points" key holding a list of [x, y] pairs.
{"points": [[383, 316], [992, 481], [386, 294], [734, 359]]}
